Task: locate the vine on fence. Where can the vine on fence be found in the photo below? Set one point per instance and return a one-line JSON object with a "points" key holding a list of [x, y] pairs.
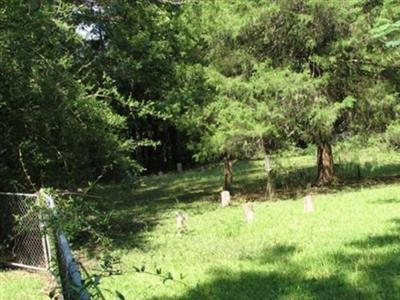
{"points": [[75, 223]]}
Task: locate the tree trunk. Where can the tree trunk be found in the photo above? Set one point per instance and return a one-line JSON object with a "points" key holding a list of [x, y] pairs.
{"points": [[268, 171], [228, 174], [270, 186], [325, 163]]}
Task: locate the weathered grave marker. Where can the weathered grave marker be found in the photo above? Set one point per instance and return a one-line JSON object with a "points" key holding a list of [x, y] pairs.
{"points": [[179, 167], [248, 212], [160, 173], [181, 221], [225, 198], [267, 164], [308, 203]]}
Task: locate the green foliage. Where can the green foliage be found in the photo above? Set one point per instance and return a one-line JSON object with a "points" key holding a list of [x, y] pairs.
{"points": [[387, 27], [81, 221], [147, 49], [393, 134], [289, 72], [223, 77], [57, 130]]}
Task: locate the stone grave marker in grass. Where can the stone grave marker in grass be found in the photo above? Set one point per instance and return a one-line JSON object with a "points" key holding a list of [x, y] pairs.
{"points": [[179, 167], [248, 212], [308, 200], [181, 221], [225, 198]]}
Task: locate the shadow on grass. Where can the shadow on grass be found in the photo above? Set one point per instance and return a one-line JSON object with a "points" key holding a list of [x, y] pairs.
{"points": [[277, 253], [131, 214], [385, 201], [361, 271], [134, 211], [275, 285], [293, 182]]}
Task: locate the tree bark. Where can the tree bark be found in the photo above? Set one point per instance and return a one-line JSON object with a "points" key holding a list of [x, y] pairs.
{"points": [[270, 186], [325, 163], [228, 174], [268, 171]]}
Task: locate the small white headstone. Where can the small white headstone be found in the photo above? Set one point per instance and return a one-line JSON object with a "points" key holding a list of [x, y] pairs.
{"points": [[181, 221], [267, 165], [160, 173], [225, 198], [308, 203], [179, 167], [248, 212]]}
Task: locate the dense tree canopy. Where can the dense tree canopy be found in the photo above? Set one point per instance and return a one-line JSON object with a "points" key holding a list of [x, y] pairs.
{"points": [[95, 88], [309, 71], [56, 130]]}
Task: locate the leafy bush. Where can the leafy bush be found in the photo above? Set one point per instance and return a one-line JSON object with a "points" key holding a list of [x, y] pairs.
{"points": [[393, 135]]}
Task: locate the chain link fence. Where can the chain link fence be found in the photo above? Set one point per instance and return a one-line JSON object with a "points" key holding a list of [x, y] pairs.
{"points": [[23, 242]]}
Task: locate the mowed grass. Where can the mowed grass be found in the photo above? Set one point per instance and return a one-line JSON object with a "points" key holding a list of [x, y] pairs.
{"points": [[18, 285], [349, 248]]}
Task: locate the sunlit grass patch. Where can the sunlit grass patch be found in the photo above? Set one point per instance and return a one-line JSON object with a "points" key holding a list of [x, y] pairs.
{"points": [[16, 285], [348, 248]]}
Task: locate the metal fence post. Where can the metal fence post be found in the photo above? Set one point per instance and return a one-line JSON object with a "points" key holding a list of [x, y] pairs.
{"points": [[69, 270]]}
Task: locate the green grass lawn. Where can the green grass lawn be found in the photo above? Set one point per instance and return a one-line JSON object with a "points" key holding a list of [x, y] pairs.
{"points": [[349, 248], [18, 285]]}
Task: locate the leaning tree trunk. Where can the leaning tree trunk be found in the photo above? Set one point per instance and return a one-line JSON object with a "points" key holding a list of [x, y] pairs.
{"points": [[268, 171], [270, 186], [325, 163], [228, 174]]}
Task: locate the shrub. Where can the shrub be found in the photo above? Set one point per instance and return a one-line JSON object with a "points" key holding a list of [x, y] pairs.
{"points": [[393, 134]]}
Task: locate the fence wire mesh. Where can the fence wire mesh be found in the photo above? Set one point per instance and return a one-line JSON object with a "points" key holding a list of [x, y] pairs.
{"points": [[24, 244], [21, 232]]}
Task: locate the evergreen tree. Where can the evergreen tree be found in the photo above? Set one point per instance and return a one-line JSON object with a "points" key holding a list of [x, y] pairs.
{"points": [[311, 64]]}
